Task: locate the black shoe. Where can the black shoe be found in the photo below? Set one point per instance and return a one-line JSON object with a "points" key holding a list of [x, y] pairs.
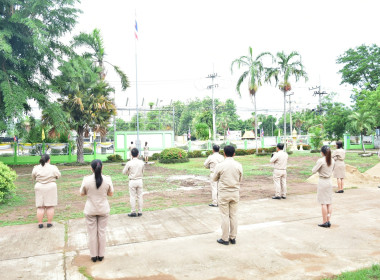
{"points": [[94, 259], [283, 197], [340, 191], [213, 205], [328, 224], [49, 225], [324, 225], [132, 214], [233, 241], [276, 197], [40, 225], [100, 258], [221, 241], [139, 214]]}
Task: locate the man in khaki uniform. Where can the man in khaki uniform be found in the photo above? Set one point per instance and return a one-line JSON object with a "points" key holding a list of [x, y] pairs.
{"points": [[135, 169], [280, 161], [228, 174], [132, 146], [210, 163]]}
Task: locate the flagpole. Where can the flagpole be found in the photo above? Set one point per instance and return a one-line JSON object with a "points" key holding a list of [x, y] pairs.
{"points": [[137, 95]]}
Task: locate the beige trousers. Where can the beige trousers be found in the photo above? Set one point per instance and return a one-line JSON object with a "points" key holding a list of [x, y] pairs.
{"points": [[135, 191], [279, 179], [96, 228], [228, 205], [214, 190]]}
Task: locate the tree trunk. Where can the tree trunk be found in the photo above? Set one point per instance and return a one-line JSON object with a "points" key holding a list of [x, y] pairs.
{"points": [[361, 137], [80, 157], [257, 148], [284, 120]]}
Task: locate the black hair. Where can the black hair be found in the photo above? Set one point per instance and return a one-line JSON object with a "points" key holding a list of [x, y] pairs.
{"points": [[131, 142], [229, 151], [146, 143], [280, 146], [215, 148], [135, 152], [327, 153], [339, 144], [96, 165], [44, 159]]}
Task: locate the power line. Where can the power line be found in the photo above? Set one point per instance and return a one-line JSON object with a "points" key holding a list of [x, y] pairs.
{"points": [[319, 93]]}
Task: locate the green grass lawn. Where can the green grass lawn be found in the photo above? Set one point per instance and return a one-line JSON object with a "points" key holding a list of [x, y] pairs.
{"points": [[361, 274]]}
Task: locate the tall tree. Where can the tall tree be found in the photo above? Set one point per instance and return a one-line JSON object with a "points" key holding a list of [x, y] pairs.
{"points": [[85, 97], [362, 122], [29, 47], [361, 67], [288, 66], [254, 73]]}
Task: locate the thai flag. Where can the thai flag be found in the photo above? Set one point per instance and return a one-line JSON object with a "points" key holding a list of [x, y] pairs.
{"points": [[228, 132], [136, 30]]}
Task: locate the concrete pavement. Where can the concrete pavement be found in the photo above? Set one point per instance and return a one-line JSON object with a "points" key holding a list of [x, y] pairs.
{"points": [[276, 240]]}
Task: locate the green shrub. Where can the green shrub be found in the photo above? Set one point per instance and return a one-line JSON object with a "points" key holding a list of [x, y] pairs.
{"points": [[87, 151], [315, 151], [241, 152], [173, 155], [195, 154], [209, 153], [270, 150], [263, 154], [114, 158], [55, 152], [155, 156], [304, 146], [289, 152], [7, 155], [7, 186], [251, 151]]}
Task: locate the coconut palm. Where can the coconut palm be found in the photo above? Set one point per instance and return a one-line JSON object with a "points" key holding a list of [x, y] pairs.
{"points": [[254, 70], [287, 66], [362, 122]]}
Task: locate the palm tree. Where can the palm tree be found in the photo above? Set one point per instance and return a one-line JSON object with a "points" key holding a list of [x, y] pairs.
{"points": [[94, 42], [287, 66], [362, 122], [254, 72]]}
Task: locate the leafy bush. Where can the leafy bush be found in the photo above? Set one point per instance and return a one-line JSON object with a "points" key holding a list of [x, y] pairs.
{"points": [[270, 150], [263, 154], [87, 151], [114, 158], [241, 152], [251, 151], [173, 155], [6, 155], [185, 147], [7, 177], [55, 151], [315, 151], [210, 152], [317, 137], [195, 154], [155, 156], [304, 146]]}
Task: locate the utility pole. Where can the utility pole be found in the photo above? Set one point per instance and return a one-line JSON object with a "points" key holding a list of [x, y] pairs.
{"points": [[319, 93], [212, 86], [290, 112]]}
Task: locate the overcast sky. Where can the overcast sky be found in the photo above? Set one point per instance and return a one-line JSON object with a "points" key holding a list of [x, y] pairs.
{"points": [[181, 42]]}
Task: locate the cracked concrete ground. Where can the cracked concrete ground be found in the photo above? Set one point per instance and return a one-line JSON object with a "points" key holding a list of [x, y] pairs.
{"points": [[276, 240]]}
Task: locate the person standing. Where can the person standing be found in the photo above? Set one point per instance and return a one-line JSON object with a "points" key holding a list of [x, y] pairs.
{"points": [[146, 152], [340, 167], [135, 170], [132, 146], [325, 167], [280, 162], [210, 163], [96, 210], [228, 174], [45, 189]]}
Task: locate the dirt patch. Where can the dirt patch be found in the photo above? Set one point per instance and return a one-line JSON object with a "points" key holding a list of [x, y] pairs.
{"points": [[153, 277], [294, 257], [353, 177], [374, 171], [313, 268], [83, 260]]}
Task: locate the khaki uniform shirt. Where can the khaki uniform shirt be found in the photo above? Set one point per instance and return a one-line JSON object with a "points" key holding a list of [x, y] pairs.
{"points": [[97, 202], [212, 161], [322, 168], [280, 160], [339, 154], [131, 147], [229, 174], [134, 169], [45, 174]]}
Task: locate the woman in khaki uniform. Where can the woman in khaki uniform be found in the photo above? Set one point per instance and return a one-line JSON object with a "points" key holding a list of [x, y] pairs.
{"points": [[146, 152], [45, 188], [324, 167], [340, 167], [97, 208]]}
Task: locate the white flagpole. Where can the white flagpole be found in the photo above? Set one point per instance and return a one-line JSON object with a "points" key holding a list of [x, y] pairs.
{"points": [[137, 95]]}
